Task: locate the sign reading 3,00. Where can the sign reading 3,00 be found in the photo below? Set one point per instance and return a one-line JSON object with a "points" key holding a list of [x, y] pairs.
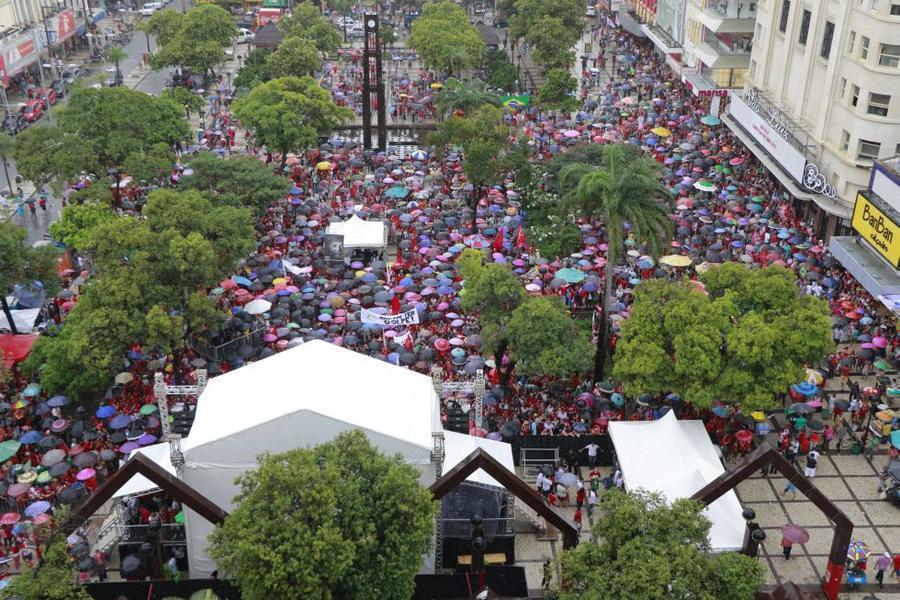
{"points": [[878, 229]]}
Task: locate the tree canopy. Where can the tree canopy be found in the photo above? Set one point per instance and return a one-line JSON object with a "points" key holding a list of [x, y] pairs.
{"points": [[48, 153], [552, 43], [195, 39], [528, 14], [22, 264], [445, 39], [294, 56], [54, 579], [256, 69], [150, 273], [650, 550], [558, 91], [308, 23], [289, 113], [236, 181], [295, 533], [744, 340], [464, 96]]}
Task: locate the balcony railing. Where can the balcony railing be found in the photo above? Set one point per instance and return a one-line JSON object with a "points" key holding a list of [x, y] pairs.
{"points": [[168, 533], [731, 9], [493, 527]]}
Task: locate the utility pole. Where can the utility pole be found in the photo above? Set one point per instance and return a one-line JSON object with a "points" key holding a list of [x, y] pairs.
{"points": [[49, 37]]}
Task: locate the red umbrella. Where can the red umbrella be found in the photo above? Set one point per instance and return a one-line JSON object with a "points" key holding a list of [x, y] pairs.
{"points": [[10, 518], [795, 533]]}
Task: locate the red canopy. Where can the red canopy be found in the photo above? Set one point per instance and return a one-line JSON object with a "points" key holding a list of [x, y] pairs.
{"points": [[16, 347]]}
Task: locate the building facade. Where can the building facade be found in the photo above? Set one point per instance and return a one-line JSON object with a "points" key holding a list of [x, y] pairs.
{"points": [[718, 41], [828, 76]]}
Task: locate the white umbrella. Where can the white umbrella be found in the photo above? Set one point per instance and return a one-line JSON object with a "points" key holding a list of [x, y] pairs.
{"points": [[258, 306]]}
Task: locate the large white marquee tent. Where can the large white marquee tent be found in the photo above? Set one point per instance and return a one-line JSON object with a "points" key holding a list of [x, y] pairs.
{"points": [[676, 458], [359, 233], [299, 398]]}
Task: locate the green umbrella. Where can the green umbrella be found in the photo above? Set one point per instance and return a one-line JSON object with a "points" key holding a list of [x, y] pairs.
{"points": [[32, 389], [148, 409], [570, 275], [881, 364], [179, 518], [206, 594], [8, 449]]}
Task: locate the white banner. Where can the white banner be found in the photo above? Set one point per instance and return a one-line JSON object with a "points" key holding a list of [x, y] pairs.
{"points": [[765, 130], [410, 317]]}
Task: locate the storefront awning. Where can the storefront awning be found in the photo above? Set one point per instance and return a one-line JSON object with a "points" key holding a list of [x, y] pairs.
{"points": [[630, 25], [870, 270], [660, 40], [832, 207]]}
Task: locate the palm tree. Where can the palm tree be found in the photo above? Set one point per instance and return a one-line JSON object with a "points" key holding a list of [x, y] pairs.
{"points": [[7, 145], [624, 189], [116, 54], [464, 96]]}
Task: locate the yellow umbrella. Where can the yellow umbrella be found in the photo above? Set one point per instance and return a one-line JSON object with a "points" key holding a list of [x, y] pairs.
{"points": [[437, 85], [123, 378], [814, 377], [279, 281], [758, 415], [676, 260], [27, 477], [323, 166], [661, 131]]}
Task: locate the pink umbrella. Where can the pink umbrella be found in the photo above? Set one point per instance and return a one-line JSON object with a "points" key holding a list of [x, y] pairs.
{"points": [[880, 342], [85, 474], [571, 133]]}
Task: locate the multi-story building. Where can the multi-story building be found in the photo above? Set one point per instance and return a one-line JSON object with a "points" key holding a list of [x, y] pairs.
{"points": [[666, 30], [823, 98], [717, 44]]}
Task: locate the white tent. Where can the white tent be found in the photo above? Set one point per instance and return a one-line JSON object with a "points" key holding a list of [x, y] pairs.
{"points": [[359, 233], [138, 484], [299, 398], [457, 446], [676, 458]]}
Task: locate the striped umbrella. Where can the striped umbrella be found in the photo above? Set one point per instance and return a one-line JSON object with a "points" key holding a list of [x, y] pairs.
{"points": [[858, 551]]}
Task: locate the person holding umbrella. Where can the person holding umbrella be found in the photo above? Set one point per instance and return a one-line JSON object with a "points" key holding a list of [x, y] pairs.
{"points": [[792, 534], [884, 561]]}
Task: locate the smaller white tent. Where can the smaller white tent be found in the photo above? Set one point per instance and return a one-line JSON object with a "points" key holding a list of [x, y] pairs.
{"points": [[676, 458], [138, 484], [359, 233], [458, 446]]}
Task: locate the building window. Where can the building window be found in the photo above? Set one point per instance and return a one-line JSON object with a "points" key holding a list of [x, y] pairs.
{"points": [[874, 4], [895, 10], [845, 140], [890, 55], [854, 95], [868, 150], [804, 27], [785, 13], [864, 48], [878, 104], [827, 36], [752, 69], [842, 89], [851, 43]]}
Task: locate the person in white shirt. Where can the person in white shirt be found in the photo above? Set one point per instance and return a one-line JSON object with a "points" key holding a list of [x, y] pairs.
{"points": [[591, 501], [812, 460], [592, 453]]}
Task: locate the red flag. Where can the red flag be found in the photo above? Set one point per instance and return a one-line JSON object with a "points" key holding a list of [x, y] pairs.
{"points": [[520, 238], [498, 242], [395, 304]]}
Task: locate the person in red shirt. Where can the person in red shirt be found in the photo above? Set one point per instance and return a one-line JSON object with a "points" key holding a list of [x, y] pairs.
{"points": [[577, 519]]}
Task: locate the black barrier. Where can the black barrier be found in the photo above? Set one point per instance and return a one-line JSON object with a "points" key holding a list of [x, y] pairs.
{"points": [[504, 581], [155, 590], [567, 444]]}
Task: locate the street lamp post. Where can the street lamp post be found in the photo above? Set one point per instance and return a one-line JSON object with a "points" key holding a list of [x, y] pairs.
{"points": [[753, 535], [114, 172]]}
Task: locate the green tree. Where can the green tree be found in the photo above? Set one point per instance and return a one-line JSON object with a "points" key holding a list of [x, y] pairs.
{"points": [[552, 43], [445, 39], [621, 191], [485, 124], [237, 181], [183, 97], [197, 39], [151, 165], [743, 341], [364, 540], [558, 91], [78, 219], [651, 550], [22, 264], [531, 13], [255, 69], [544, 339], [54, 578], [294, 56], [289, 113], [164, 25], [308, 23], [116, 55], [49, 153], [502, 74], [464, 96]]}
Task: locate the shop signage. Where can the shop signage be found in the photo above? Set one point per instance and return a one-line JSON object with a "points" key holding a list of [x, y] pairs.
{"points": [[879, 226], [771, 139], [16, 53], [772, 114]]}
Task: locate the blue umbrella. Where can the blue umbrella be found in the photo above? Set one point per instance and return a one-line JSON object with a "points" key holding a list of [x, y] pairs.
{"points": [[720, 411], [617, 399], [295, 190], [31, 437], [37, 508], [397, 192], [105, 411], [806, 389], [120, 422], [828, 282], [57, 401], [242, 281], [710, 120], [570, 275]]}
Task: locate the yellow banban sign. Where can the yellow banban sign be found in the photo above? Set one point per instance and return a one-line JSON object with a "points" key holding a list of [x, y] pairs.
{"points": [[876, 226]]}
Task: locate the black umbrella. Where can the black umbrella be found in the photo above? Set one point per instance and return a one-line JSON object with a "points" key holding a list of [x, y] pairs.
{"points": [[48, 441], [509, 430], [80, 549], [85, 459], [85, 564], [59, 469], [67, 496], [118, 437], [107, 455], [131, 566]]}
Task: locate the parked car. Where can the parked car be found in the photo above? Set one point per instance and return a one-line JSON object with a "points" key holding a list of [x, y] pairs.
{"points": [[357, 31], [70, 73], [46, 95], [150, 7], [58, 86], [14, 123], [32, 110], [348, 22], [244, 36]]}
